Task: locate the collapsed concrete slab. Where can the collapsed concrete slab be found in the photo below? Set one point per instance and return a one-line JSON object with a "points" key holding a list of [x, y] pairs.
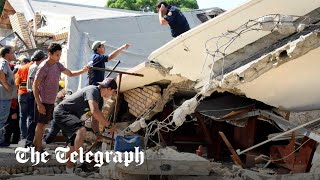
{"points": [[193, 55], [167, 161], [279, 78], [151, 74], [186, 55]]}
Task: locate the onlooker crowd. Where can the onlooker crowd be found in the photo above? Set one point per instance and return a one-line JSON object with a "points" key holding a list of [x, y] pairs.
{"points": [[30, 98], [28, 90]]}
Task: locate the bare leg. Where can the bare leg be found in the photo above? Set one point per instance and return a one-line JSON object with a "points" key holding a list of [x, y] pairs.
{"points": [[69, 164], [39, 135], [78, 142]]}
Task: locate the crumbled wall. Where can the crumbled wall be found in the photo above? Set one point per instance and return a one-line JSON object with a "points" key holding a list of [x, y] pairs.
{"points": [[168, 94], [37, 20], [60, 36], [20, 25], [140, 99]]}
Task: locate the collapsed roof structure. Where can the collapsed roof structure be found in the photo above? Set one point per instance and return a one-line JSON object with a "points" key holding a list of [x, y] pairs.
{"points": [[250, 55]]}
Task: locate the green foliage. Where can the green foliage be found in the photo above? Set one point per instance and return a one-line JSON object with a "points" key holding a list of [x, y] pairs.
{"points": [[149, 5], [184, 4], [1, 5]]}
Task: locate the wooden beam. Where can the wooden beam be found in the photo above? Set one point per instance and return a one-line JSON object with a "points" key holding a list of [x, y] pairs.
{"points": [[204, 128], [236, 159]]}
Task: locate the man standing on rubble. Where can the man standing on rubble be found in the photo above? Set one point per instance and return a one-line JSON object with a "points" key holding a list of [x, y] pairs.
{"points": [[98, 59], [173, 16], [68, 113], [45, 88]]}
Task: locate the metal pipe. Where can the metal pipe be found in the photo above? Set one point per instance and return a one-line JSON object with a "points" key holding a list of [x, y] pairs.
{"points": [[115, 106], [121, 72], [117, 99]]}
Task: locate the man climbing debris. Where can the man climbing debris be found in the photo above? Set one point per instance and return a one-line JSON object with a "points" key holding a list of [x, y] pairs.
{"points": [[68, 113]]}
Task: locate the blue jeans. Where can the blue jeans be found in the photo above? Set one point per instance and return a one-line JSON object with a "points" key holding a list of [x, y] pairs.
{"points": [[31, 123], [4, 114], [26, 112]]}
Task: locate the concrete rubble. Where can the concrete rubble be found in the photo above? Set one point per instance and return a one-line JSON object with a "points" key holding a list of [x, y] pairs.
{"points": [[167, 161]]}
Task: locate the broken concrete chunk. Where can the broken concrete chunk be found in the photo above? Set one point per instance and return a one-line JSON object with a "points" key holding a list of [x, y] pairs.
{"points": [[267, 23], [167, 161], [285, 25]]}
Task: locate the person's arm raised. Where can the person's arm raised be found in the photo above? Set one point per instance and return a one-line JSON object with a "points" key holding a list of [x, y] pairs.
{"points": [[118, 51]]}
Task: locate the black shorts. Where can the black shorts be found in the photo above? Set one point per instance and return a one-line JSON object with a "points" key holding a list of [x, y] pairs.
{"points": [[68, 123], [44, 119]]}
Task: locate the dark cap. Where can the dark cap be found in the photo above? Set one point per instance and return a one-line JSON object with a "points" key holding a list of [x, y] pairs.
{"points": [[38, 55], [108, 83]]}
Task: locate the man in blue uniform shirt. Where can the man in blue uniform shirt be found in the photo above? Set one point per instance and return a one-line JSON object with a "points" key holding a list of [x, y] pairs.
{"points": [[98, 59], [173, 16]]}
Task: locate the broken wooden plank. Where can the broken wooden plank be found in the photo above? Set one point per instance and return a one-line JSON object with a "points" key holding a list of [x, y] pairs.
{"points": [[234, 155]]}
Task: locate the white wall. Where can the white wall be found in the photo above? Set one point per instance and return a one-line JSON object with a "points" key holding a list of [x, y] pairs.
{"points": [[78, 51], [144, 33]]}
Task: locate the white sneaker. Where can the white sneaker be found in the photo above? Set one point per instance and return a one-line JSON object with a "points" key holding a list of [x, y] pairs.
{"points": [[22, 142]]}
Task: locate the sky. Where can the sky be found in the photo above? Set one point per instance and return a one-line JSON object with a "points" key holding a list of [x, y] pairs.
{"points": [[224, 4]]}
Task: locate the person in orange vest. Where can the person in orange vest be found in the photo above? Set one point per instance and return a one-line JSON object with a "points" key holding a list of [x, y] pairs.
{"points": [[21, 78]]}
